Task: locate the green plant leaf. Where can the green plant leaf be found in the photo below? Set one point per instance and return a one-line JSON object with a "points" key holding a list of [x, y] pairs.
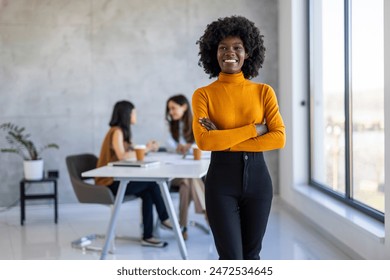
{"points": [[21, 144]]}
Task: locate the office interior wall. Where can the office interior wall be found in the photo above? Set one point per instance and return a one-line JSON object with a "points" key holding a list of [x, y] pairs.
{"points": [[64, 63]]}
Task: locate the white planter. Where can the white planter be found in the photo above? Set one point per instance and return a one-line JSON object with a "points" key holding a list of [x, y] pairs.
{"points": [[33, 169]]}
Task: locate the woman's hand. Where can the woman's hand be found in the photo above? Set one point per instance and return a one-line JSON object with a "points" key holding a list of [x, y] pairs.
{"points": [[152, 146], [261, 129], [183, 149], [208, 124]]}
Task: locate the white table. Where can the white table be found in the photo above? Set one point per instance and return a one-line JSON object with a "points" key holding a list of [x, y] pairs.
{"points": [[172, 166]]}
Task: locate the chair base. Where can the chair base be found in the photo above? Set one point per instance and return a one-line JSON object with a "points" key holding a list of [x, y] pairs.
{"points": [[200, 226], [85, 243]]}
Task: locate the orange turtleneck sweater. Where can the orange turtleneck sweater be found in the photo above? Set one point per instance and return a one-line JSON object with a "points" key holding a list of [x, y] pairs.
{"points": [[235, 104]]}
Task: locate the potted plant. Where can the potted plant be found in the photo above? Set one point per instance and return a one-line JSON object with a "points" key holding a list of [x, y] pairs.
{"points": [[21, 144]]}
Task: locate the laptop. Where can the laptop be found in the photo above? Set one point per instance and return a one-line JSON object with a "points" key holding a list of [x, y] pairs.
{"points": [[137, 163]]}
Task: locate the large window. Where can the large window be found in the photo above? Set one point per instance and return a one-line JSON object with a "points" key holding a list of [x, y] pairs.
{"points": [[347, 101]]}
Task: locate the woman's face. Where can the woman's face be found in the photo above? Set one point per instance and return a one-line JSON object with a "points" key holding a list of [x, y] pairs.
{"points": [[133, 117], [231, 55], [176, 111]]}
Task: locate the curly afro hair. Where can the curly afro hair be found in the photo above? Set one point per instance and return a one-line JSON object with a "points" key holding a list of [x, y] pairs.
{"points": [[231, 26]]}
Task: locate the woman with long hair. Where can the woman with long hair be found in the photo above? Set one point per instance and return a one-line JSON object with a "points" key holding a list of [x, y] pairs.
{"points": [[117, 145], [178, 115]]}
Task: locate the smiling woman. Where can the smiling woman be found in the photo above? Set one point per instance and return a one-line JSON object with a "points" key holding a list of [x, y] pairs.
{"points": [[237, 120], [234, 27], [231, 55]]}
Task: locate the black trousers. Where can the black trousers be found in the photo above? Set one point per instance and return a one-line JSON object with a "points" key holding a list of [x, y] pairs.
{"points": [[238, 202], [150, 194]]}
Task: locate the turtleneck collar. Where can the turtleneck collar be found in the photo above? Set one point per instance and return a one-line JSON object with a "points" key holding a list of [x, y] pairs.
{"points": [[231, 78]]}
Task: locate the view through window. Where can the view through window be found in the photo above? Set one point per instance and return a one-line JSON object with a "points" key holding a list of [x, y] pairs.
{"points": [[347, 101]]}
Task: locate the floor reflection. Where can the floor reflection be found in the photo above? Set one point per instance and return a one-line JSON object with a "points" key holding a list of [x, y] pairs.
{"points": [[286, 238]]}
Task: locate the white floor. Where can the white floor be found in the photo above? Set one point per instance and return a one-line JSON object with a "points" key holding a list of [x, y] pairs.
{"points": [[286, 238]]}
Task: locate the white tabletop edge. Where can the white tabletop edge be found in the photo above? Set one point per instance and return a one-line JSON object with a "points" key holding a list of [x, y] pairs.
{"points": [[196, 169]]}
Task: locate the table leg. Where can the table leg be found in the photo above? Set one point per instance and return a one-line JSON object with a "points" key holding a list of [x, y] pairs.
{"points": [[22, 203], [114, 215], [55, 202], [172, 215]]}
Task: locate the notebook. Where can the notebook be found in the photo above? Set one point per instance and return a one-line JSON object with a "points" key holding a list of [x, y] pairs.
{"points": [[142, 163]]}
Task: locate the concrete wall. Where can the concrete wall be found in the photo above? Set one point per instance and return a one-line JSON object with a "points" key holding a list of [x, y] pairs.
{"points": [[64, 63]]}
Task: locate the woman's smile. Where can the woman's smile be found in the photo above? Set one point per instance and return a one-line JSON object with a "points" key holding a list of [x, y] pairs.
{"points": [[231, 55]]}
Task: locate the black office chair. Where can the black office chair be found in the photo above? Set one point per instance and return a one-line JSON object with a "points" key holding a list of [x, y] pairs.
{"points": [[90, 193]]}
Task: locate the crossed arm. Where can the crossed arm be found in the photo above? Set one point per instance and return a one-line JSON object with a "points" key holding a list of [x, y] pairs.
{"points": [[261, 129]]}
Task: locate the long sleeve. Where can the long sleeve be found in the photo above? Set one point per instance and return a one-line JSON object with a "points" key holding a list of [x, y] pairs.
{"points": [[216, 140], [171, 144], [275, 137], [235, 105]]}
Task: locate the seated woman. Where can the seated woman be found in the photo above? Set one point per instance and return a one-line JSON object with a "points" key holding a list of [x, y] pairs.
{"points": [[179, 117], [116, 146]]}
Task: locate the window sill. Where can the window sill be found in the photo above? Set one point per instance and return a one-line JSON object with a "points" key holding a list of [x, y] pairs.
{"points": [[355, 218]]}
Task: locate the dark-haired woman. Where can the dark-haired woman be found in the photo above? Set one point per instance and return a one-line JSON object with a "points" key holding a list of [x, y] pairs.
{"points": [[181, 138], [116, 146], [237, 120]]}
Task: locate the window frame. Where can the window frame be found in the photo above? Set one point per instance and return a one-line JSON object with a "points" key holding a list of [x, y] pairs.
{"points": [[347, 196]]}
